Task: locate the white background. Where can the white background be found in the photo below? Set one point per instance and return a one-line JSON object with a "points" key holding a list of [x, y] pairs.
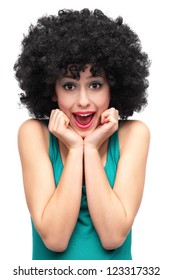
{"points": [[152, 230]]}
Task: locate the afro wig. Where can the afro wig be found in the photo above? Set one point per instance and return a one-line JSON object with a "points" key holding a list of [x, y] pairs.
{"points": [[79, 38]]}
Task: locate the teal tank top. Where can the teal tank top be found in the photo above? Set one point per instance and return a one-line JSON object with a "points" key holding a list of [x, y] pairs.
{"points": [[84, 243]]}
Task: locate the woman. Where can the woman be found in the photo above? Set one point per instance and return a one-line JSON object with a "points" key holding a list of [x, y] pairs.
{"points": [[83, 74]]}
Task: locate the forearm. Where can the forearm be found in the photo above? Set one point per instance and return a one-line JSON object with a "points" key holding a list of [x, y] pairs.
{"points": [[61, 212], [107, 211]]}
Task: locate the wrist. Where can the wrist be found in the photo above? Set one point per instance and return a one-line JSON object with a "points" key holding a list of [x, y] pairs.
{"points": [[75, 155], [90, 149], [91, 154], [76, 150]]}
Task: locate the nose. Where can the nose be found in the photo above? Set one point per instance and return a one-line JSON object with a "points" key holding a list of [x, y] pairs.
{"points": [[83, 98]]}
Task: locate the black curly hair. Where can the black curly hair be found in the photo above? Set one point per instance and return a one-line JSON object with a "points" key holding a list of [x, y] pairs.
{"points": [[80, 38]]}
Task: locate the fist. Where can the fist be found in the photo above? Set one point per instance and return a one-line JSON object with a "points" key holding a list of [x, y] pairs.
{"points": [[108, 125], [59, 125]]}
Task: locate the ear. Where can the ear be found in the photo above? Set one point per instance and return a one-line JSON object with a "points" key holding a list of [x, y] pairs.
{"points": [[54, 98]]}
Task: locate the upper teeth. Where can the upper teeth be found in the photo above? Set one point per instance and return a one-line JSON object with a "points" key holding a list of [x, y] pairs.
{"points": [[84, 115]]}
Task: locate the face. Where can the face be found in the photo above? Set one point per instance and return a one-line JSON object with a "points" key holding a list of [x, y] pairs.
{"points": [[83, 100]]}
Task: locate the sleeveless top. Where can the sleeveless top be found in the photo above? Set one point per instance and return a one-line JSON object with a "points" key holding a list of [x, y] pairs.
{"points": [[84, 243]]}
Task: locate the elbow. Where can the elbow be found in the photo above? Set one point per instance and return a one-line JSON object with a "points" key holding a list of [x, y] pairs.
{"points": [[114, 239], [55, 244], [112, 243], [53, 240]]}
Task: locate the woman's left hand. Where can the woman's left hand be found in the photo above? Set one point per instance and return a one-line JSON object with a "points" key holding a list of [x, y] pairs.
{"points": [[109, 124]]}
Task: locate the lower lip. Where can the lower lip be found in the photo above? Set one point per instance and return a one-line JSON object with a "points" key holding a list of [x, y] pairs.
{"points": [[84, 126]]}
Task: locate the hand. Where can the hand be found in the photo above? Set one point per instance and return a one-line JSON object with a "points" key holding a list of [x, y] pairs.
{"points": [[60, 127], [109, 124]]}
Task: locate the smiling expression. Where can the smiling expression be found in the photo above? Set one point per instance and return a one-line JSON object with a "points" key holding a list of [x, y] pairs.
{"points": [[83, 100]]}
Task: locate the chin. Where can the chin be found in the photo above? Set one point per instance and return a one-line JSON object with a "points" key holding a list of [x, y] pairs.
{"points": [[85, 133]]}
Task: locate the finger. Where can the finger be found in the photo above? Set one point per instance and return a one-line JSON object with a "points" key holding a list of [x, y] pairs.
{"points": [[112, 111], [105, 117], [57, 120], [66, 121], [53, 117], [111, 119]]}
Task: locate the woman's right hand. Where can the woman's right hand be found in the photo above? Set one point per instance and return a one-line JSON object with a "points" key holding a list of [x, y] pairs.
{"points": [[60, 127]]}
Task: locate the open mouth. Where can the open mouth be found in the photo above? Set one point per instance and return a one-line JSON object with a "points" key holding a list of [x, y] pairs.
{"points": [[84, 120]]}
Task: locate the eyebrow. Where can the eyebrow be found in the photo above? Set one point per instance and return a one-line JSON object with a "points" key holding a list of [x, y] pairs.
{"points": [[89, 77]]}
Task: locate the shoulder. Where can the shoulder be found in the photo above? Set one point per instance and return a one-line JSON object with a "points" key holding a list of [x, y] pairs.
{"points": [[133, 132], [134, 126], [33, 131], [32, 125]]}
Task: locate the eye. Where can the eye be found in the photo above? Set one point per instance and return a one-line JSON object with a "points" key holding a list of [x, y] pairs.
{"points": [[68, 86], [96, 85]]}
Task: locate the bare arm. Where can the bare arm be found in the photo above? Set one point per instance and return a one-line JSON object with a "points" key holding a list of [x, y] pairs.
{"points": [[54, 210], [113, 210]]}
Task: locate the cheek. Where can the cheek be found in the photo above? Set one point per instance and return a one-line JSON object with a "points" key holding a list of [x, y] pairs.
{"points": [[62, 107], [63, 104], [60, 100], [104, 104]]}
